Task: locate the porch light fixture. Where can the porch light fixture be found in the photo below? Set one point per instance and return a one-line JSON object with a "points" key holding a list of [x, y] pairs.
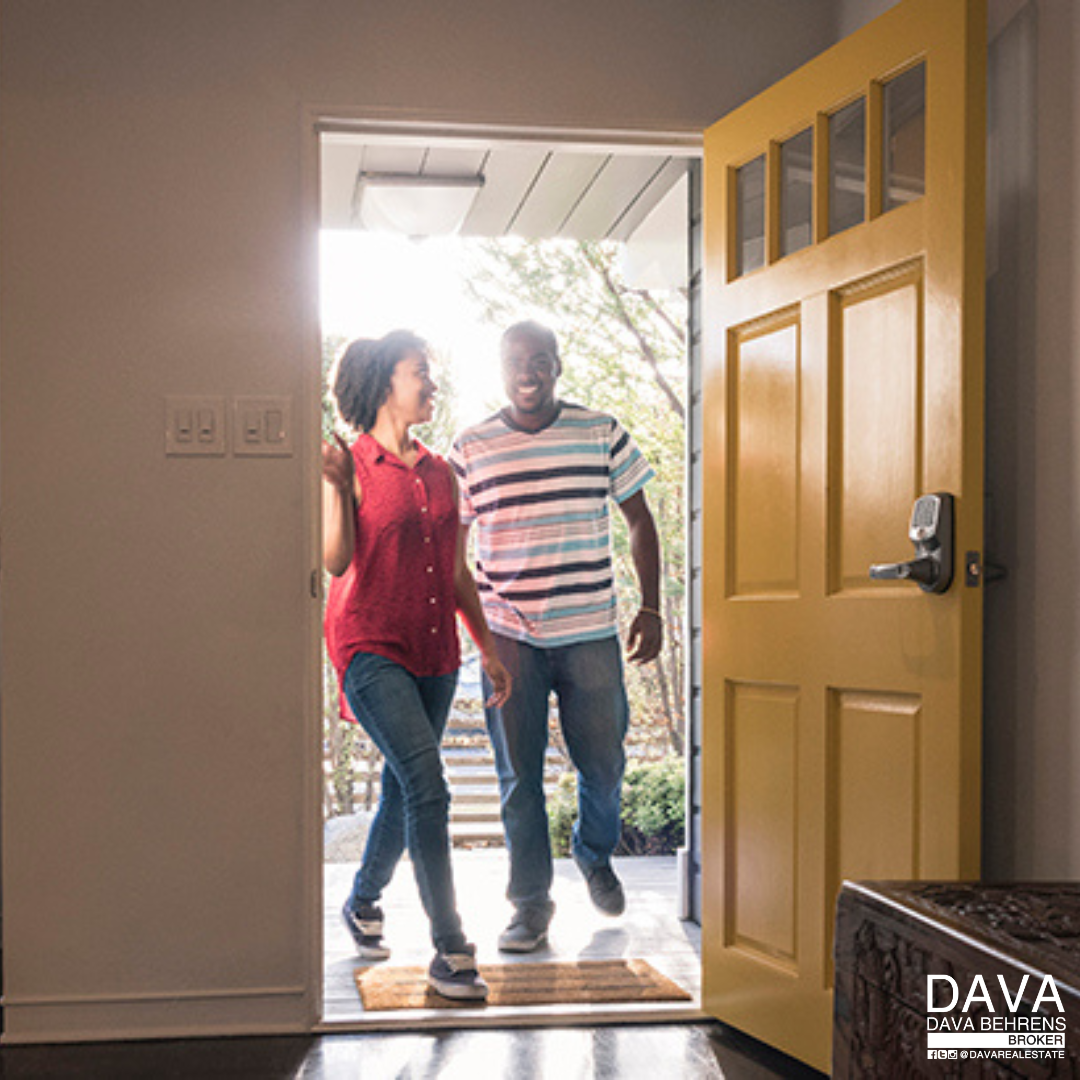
{"points": [[414, 205]]}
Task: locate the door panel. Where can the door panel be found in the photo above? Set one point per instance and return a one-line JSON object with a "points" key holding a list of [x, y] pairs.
{"points": [[876, 450], [764, 832], [874, 768], [842, 378], [764, 404]]}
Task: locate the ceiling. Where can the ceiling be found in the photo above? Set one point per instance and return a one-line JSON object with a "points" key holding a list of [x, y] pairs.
{"points": [[531, 189]]}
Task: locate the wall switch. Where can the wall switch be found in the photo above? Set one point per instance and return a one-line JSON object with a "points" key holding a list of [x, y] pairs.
{"points": [[195, 426], [262, 427]]}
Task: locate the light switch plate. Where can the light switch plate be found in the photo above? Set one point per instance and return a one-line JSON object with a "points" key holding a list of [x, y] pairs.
{"points": [[195, 426], [262, 426]]}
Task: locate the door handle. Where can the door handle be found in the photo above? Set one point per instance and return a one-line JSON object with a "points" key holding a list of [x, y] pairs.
{"points": [[931, 531], [924, 570]]}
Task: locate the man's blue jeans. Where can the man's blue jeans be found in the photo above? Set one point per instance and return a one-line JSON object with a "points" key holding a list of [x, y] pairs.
{"points": [[587, 679], [405, 715]]}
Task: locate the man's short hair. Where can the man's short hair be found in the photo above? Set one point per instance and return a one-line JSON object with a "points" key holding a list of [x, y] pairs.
{"points": [[533, 329]]}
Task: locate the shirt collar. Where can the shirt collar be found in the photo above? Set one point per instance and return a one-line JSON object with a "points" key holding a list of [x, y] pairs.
{"points": [[509, 421], [374, 452]]}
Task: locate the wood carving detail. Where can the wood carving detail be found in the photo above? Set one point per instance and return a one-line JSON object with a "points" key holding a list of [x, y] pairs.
{"points": [[885, 948]]}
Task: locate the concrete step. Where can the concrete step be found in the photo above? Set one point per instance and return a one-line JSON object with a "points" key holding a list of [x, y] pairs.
{"points": [[471, 768], [467, 756], [477, 754], [474, 796], [464, 815], [466, 835]]}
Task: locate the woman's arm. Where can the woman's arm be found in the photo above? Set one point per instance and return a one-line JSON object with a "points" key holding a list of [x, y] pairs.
{"points": [[341, 496], [472, 614]]}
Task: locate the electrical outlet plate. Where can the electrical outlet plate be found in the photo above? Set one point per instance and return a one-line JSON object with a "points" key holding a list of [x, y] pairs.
{"points": [[195, 426], [262, 426]]}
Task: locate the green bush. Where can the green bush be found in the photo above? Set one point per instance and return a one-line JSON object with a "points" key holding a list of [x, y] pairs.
{"points": [[653, 809], [562, 813], [654, 806]]}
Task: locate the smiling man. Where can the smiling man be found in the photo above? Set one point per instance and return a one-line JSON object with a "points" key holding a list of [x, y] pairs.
{"points": [[536, 478]]}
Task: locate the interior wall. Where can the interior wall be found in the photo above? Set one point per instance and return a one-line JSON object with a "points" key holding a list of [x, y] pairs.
{"points": [[1032, 632], [1033, 741], [158, 785], [851, 14]]}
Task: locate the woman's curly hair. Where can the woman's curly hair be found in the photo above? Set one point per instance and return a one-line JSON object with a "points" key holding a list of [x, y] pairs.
{"points": [[362, 374]]}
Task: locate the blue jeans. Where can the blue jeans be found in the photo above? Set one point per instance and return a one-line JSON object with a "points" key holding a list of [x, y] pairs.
{"points": [[405, 715], [587, 679]]}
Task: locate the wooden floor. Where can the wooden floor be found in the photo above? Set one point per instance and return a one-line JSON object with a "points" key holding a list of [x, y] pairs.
{"points": [[650, 929], [591, 1050], [653, 1052]]}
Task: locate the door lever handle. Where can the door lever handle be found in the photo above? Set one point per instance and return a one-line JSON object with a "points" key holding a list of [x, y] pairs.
{"points": [[924, 570], [931, 531]]}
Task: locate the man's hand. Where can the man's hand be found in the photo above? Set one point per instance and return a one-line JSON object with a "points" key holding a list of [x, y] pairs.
{"points": [[646, 637], [501, 680]]}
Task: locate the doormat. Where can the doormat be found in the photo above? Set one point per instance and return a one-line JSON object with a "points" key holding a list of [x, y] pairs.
{"points": [[586, 982]]}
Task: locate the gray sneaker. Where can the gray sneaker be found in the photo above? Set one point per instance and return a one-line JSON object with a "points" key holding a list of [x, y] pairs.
{"points": [[527, 932], [365, 924], [605, 889], [455, 975]]}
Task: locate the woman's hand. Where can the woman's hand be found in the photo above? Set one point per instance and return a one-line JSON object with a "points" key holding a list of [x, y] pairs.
{"points": [[337, 465], [500, 678], [341, 497]]}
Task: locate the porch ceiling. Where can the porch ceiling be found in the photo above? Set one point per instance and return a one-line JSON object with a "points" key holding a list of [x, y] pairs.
{"points": [[530, 190]]}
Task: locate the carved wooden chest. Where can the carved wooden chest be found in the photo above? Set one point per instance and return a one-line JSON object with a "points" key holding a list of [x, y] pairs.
{"points": [[977, 942]]}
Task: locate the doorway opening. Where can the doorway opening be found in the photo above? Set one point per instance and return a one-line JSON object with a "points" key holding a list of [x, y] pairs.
{"points": [[597, 240]]}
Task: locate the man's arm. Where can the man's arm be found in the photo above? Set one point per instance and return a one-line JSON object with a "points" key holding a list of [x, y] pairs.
{"points": [[646, 636]]}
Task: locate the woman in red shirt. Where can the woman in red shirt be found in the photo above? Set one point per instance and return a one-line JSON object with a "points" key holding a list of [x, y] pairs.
{"points": [[391, 540]]}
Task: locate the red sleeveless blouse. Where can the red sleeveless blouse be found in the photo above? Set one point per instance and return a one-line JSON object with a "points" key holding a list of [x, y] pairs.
{"points": [[397, 599]]}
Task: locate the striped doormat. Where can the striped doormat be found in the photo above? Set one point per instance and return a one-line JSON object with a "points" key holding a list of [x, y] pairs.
{"points": [[585, 982]]}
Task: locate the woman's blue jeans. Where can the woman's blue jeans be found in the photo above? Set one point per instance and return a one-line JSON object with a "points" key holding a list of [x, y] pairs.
{"points": [[405, 715], [587, 680]]}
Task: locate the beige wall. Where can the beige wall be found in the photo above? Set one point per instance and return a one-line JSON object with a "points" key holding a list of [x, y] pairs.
{"points": [[158, 783], [1033, 628], [1032, 681]]}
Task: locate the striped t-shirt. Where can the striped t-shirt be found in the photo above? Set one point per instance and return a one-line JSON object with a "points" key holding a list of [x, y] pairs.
{"points": [[543, 529]]}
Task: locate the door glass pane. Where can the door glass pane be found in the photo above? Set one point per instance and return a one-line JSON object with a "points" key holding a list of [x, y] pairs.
{"points": [[847, 167], [750, 200], [796, 191], [904, 165]]}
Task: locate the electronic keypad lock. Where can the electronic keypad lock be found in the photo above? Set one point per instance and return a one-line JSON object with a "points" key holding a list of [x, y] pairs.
{"points": [[931, 531]]}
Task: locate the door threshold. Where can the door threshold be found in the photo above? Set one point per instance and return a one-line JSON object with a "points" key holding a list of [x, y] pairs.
{"points": [[515, 1016]]}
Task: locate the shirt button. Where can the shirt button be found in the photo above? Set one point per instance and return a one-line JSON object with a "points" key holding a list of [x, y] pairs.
{"points": [[431, 569], [433, 600], [434, 630], [427, 539], [423, 509]]}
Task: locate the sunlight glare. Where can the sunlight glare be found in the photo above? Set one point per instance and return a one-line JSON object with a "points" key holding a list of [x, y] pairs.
{"points": [[371, 283]]}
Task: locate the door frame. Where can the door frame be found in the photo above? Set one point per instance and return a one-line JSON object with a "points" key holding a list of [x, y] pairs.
{"points": [[402, 126]]}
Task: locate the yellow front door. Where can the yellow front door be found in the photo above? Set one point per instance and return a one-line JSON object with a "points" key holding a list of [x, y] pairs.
{"points": [[843, 329]]}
